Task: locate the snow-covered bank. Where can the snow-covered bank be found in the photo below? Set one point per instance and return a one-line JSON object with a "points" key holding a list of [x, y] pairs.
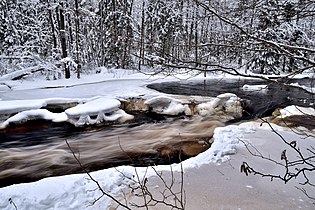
{"points": [[78, 191]]}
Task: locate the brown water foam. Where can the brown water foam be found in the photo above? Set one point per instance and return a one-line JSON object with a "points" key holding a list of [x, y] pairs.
{"points": [[106, 148]]}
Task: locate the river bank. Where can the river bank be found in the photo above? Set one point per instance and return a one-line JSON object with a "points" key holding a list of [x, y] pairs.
{"points": [[211, 179]]}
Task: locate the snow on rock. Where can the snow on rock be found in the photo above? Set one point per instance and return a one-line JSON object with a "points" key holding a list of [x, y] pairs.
{"points": [[296, 110], [227, 104], [34, 115], [295, 117], [257, 88], [167, 105], [94, 111], [97, 111], [85, 119], [93, 107]]}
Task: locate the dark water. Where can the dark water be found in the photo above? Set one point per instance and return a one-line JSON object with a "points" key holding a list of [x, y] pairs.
{"points": [[258, 103], [38, 132], [38, 149]]}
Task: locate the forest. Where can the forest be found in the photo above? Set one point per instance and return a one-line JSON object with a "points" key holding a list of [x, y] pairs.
{"points": [[61, 38]]}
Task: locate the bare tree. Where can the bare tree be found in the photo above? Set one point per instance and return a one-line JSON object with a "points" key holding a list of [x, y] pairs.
{"points": [[63, 43], [77, 41]]}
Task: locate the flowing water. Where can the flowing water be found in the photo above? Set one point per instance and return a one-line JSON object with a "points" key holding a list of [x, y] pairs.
{"points": [[42, 149], [44, 152], [259, 103]]}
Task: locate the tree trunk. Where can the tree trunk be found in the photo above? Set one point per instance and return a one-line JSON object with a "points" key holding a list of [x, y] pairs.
{"points": [[52, 26], [77, 28], [141, 59], [63, 39]]}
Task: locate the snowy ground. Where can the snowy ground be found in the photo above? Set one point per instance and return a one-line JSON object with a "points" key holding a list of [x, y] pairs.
{"points": [[211, 180]]}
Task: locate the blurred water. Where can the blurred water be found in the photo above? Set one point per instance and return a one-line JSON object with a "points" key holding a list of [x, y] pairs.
{"points": [[43, 152]]}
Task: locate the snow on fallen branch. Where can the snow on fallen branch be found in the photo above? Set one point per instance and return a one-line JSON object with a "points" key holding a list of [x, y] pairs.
{"points": [[16, 75]]}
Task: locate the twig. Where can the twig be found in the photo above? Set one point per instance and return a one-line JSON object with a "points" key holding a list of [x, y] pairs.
{"points": [[95, 181]]}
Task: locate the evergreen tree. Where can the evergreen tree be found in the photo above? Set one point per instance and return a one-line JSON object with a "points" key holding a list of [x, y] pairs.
{"points": [[163, 28], [116, 33]]}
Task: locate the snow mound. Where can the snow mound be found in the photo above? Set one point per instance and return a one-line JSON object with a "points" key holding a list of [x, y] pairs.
{"points": [[97, 111], [15, 106], [296, 110], [72, 192], [227, 104], [167, 105], [257, 88], [94, 107], [34, 115], [226, 140]]}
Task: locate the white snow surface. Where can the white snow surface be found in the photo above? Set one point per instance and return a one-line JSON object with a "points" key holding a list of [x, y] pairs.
{"points": [[14, 106], [227, 102], [226, 141], [296, 110], [35, 114], [167, 105], [258, 88], [93, 107]]}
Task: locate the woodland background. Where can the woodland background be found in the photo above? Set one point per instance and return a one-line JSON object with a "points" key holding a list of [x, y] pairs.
{"points": [[66, 37]]}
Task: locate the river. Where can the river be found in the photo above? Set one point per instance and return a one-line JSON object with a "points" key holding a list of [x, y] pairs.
{"points": [[41, 149]]}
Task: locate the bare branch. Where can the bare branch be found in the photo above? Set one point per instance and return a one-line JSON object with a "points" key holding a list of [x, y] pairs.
{"points": [[95, 181]]}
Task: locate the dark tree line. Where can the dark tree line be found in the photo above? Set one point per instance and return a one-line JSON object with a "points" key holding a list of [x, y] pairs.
{"points": [[267, 36]]}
